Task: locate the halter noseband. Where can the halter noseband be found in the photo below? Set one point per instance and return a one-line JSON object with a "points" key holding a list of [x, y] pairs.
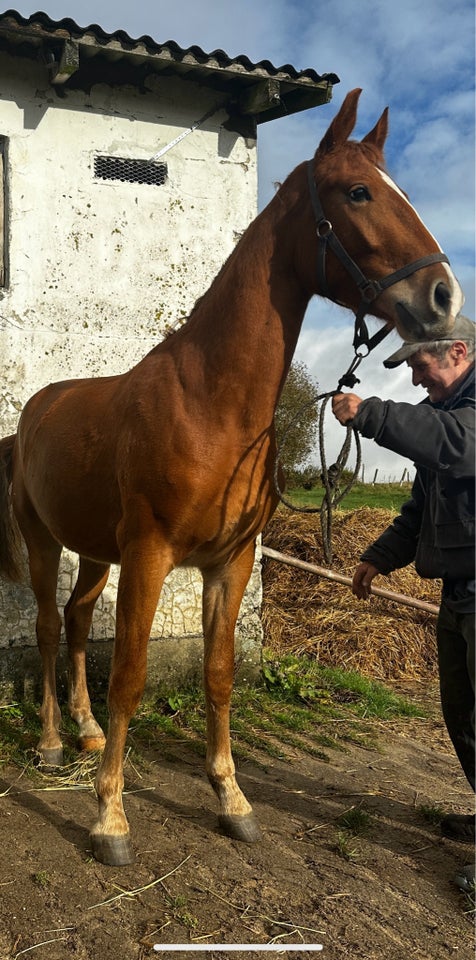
{"points": [[369, 289]]}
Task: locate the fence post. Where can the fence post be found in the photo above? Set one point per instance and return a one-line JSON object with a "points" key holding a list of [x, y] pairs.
{"points": [[375, 477]]}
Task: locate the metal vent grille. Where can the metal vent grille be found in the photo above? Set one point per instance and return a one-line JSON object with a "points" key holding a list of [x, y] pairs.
{"points": [[130, 171]]}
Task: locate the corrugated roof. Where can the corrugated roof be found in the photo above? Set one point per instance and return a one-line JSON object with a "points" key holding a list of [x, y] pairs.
{"points": [[79, 56]]}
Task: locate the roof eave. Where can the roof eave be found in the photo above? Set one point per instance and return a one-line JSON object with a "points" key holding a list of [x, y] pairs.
{"points": [[70, 54]]}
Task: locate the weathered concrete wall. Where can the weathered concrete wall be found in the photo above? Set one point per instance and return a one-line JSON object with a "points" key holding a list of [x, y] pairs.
{"points": [[99, 270]]}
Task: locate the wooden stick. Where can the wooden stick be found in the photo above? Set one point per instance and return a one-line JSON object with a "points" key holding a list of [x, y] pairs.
{"points": [[340, 578]]}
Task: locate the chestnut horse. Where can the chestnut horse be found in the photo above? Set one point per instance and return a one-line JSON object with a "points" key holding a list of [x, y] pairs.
{"points": [[172, 462]]}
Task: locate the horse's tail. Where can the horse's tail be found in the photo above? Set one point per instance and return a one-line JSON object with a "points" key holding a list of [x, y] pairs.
{"points": [[10, 536]]}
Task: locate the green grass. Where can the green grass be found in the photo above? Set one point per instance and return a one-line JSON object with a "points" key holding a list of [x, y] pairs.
{"points": [[19, 731], [345, 848], [370, 699], [301, 679], [297, 706], [385, 496], [432, 813], [351, 826], [357, 821]]}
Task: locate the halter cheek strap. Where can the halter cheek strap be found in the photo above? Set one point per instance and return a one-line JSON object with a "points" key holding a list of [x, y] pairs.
{"points": [[369, 289]]}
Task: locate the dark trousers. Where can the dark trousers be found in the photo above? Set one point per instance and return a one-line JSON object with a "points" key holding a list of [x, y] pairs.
{"points": [[455, 634]]}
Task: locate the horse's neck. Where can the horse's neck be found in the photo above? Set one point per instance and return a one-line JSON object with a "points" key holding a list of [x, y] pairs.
{"points": [[248, 323]]}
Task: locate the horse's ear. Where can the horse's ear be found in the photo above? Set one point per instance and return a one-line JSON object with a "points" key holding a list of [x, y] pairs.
{"points": [[378, 135], [342, 124]]}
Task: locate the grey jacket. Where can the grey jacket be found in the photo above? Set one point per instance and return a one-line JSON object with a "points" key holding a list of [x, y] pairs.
{"points": [[436, 526]]}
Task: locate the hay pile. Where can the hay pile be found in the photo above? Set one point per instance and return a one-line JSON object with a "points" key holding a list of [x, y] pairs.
{"points": [[307, 613]]}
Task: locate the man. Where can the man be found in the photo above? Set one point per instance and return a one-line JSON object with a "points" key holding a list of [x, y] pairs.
{"points": [[436, 526]]}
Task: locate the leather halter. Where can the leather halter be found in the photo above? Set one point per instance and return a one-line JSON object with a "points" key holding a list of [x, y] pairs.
{"points": [[369, 289]]}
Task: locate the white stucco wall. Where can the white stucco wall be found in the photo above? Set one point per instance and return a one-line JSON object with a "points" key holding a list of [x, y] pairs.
{"points": [[98, 270]]}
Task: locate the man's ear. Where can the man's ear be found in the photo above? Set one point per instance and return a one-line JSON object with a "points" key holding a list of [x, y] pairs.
{"points": [[459, 351]]}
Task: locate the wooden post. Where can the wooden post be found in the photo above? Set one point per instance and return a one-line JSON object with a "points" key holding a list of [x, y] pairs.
{"points": [[375, 477], [340, 578]]}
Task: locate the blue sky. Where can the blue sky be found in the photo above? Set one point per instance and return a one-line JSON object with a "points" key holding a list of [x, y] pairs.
{"points": [[417, 59]]}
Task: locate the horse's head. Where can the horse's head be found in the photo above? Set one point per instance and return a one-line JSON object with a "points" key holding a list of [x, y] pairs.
{"points": [[368, 231]]}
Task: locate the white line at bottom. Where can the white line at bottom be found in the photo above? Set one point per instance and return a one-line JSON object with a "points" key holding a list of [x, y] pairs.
{"points": [[224, 947]]}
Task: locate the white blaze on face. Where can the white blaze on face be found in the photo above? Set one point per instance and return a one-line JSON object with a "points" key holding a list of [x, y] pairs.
{"points": [[391, 183], [456, 292]]}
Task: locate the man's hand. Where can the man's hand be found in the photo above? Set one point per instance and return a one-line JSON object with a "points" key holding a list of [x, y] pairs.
{"points": [[362, 579], [345, 406]]}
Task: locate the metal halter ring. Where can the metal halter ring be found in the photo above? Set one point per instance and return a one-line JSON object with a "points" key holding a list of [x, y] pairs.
{"points": [[324, 228]]}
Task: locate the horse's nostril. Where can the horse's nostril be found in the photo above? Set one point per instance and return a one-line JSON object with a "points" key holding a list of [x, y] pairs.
{"points": [[442, 295]]}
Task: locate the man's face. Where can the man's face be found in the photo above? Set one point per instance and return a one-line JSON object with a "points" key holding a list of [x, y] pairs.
{"points": [[438, 377]]}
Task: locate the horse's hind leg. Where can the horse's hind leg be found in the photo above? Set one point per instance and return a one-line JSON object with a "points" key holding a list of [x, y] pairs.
{"points": [[43, 556], [78, 612], [223, 590]]}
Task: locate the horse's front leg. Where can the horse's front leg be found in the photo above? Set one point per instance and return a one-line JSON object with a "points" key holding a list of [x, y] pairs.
{"points": [[144, 566], [78, 612], [223, 590]]}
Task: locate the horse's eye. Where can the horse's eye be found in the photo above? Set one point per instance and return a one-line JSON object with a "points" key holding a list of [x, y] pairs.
{"points": [[359, 194]]}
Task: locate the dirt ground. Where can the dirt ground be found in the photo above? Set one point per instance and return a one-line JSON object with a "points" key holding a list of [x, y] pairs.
{"points": [[386, 894]]}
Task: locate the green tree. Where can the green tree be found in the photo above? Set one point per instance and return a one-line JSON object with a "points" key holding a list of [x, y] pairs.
{"points": [[299, 440]]}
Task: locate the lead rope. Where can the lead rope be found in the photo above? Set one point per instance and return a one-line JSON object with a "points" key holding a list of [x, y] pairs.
{"points": [[333, 494], [330, 476]]}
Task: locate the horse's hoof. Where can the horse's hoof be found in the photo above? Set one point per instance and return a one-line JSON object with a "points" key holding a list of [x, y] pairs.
{"points": [[113, 851], [51, 756], [245, 828], [90, 744]]}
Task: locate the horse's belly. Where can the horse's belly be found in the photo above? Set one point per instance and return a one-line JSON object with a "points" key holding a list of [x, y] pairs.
{"points": [[79, 510]]}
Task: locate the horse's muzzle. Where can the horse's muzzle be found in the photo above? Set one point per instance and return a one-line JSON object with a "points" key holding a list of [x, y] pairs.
{"points": [[415, 324]]}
